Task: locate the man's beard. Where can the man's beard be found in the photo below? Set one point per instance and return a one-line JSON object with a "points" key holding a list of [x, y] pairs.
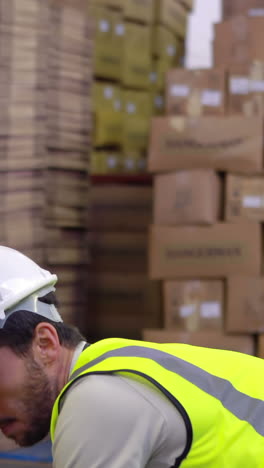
{"points": [[38, 397]]}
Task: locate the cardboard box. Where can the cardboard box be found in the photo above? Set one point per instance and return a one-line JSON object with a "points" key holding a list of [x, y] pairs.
{"points": [[120, 208], [242, 7], [122, 304], [216, 340], [118, 4], [187, 197], [118, 252], [139, 10], [136, 67], [165, 45], [260, 346], [105, 162], [173, 15], [238, 89], [158, 103], [109, 41], [232, 143], [217, 251], [196, 92], [136, 119], [245, 303], [193, 305], [107, 108], [244, 198], [238, 41]]}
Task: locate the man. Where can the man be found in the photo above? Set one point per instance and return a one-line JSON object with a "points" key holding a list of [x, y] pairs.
{"points": [[119, 403]]}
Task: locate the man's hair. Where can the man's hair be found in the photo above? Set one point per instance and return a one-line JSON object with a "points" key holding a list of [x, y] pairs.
{"points": [[18, 331]]}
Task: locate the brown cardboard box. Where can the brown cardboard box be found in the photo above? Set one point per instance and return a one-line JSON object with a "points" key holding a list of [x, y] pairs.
{"points": [[139, 10], [238, 41], [217, 340], [120, 208], [122, 304], [245, 305], [118, 252], [232, 143], [244, 7], [165, 45], [217, 251], [260, 346], [193, 305], [244, 198], [187, 197], [196, 92], [238, 89]]}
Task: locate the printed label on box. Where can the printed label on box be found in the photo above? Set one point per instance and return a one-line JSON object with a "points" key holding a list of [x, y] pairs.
{"points": [[210, 310], [180, 90], [251, 201], [239, 85], [211, 98], [187, 310]]}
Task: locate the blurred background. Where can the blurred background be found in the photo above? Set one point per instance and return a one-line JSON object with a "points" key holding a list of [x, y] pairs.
{"points": [[131, 165]]}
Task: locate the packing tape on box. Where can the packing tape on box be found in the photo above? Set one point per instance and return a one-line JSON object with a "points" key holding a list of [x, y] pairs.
{"points": [[178, 123]]}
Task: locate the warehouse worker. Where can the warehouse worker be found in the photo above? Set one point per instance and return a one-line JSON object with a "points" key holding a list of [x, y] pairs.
{"points": [[119, 403]]}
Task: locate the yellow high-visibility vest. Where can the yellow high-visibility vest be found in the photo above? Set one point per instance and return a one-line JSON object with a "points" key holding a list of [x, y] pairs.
{"points": [[219, 394]]}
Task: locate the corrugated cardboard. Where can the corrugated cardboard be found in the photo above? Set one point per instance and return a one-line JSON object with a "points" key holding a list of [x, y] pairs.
{"points": [[244, 198], [217, 251], [122, 304], [139, 10], [172, 14], [238, 89], [196, 92], [136, 119], [108, 42], [118, 252], [187, 197], [136, 66], [245, 305], [222, 143], [120, 208], [193, 305], [238, 41], [165, 45], [244, 7], [260, 346], [216, 340]]}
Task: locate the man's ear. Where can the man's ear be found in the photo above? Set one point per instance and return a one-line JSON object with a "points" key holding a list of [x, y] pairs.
{"points": [[45, 345]]}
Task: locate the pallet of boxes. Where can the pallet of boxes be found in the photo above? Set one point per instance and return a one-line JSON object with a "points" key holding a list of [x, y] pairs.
{"points": [[133, 39], [136, 42], [206, 154]]}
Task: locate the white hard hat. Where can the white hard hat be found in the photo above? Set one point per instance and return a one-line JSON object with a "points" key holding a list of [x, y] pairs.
{"points": [[22, 282]]}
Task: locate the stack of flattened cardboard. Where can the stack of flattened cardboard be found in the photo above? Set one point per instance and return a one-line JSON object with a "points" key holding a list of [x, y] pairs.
{"points": [[23, 64], [45, 79], [68, 136]]}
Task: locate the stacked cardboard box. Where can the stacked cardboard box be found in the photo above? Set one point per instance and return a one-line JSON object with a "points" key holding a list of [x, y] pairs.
{"points": [[206, 239], [46, 74], [129, 86], [68, 137], [122, 298]]}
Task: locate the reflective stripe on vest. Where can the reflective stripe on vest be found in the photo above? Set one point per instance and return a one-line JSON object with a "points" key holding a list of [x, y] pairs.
{"points": [[244, 407]]}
